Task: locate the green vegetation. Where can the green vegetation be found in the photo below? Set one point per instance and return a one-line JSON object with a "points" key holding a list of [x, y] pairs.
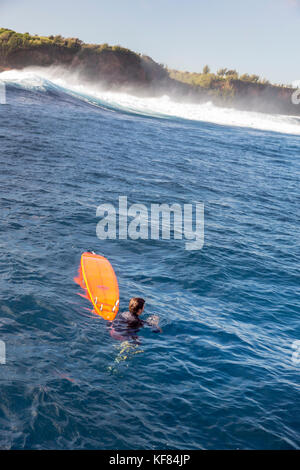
{"points": [[207, 79], [11, 41], [223, 83]]}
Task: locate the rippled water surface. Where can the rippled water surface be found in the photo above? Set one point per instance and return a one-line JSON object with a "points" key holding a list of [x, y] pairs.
{"points": [[221, 374]]}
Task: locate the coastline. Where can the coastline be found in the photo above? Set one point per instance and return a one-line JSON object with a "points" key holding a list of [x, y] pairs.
{"points": [[117, 68]]}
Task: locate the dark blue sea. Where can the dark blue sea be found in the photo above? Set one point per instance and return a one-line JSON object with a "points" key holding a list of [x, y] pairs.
{"points": [[224, 373]]}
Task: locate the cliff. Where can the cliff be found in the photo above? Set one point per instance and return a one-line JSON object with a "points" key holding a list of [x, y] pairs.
{"points": [[116, 67], [113, 65]]}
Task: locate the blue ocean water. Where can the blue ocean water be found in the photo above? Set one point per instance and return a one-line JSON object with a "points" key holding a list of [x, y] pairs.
{"points": [[221, 375]]}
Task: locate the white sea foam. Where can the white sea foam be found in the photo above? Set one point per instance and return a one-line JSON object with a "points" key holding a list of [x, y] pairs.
{"points": [[43, 78]]}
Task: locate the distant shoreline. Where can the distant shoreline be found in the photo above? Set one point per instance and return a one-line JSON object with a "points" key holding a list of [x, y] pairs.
{"points": [[118, 68]]}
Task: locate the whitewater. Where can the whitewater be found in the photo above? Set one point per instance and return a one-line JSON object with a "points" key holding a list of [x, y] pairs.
{"points": [[56, 78]]}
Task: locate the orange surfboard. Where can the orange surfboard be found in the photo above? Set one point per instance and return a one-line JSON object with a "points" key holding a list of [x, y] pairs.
{"points": [[97, 276]]}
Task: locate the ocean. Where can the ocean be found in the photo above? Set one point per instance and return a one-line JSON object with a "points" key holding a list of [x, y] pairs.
{"points": [[224, 372]]}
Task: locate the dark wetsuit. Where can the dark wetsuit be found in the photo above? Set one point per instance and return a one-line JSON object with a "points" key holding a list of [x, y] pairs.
{"points": [[126, 326]]}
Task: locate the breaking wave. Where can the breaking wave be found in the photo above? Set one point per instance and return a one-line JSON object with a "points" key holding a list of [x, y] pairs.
{"points": [[55, 78]]}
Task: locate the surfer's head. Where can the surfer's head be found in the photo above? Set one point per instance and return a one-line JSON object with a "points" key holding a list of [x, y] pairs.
{"points": [[136, 305]]}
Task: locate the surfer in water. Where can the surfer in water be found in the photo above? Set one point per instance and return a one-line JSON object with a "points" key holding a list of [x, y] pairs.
{"points": [[125, 328], [127, 324]]}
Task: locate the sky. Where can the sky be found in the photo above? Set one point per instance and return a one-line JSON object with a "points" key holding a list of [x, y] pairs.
{"points": [[257, 36]]}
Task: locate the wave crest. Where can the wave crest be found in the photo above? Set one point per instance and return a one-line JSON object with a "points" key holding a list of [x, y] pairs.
{"points": [[46, 79]]}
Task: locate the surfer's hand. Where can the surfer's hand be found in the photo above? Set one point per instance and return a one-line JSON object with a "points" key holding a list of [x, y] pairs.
{"points": [[153, 320]]}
